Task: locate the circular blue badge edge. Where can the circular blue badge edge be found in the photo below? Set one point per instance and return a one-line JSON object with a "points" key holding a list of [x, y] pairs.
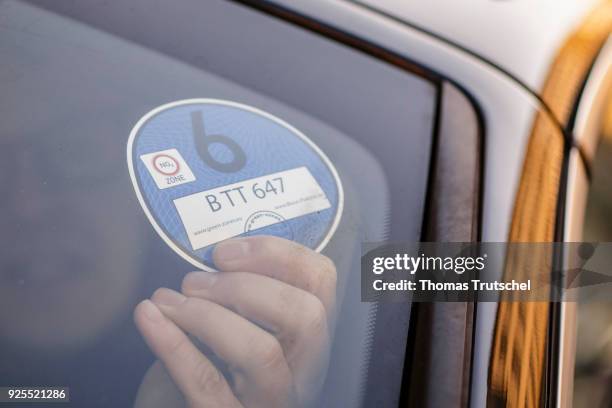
{"points": [[143, 202]]}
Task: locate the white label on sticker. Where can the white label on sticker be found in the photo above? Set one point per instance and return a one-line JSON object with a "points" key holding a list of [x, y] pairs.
{"points": [[168, 168], [224, 212]]}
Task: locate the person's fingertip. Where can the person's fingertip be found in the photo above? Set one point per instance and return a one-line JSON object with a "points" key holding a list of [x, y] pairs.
{"points": [[199, 281], [232, 250], [167, 297], [147, 309]]}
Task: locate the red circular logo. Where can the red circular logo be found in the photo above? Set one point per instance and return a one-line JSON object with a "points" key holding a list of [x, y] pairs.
{"points": [[166, 165]]}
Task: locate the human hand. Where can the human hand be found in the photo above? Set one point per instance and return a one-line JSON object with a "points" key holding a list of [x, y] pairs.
{"points": [[266, 316]]}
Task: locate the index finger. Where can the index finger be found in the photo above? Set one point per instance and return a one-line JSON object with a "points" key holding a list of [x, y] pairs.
{"points": [[280, 259], [197, 378]]}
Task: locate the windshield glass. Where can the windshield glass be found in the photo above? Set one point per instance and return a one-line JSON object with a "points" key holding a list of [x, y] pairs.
{"points": [[79, 253]]}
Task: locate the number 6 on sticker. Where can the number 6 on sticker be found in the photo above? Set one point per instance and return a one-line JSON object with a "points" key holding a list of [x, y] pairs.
{"points": [[203, 141]]}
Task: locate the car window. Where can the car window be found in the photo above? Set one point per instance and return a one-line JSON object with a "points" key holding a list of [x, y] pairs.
{"points": [[78, 252]]}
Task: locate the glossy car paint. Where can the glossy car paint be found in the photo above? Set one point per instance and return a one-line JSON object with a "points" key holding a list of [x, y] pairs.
{"points": [[521, 37]]}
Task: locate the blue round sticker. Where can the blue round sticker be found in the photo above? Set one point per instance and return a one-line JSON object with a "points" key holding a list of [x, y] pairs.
{"points": [[206, 170]]}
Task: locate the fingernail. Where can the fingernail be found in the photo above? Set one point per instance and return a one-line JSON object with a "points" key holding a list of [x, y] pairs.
{"points": [[167, 297], [231, 250], [199, 280], [151, 311]]}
